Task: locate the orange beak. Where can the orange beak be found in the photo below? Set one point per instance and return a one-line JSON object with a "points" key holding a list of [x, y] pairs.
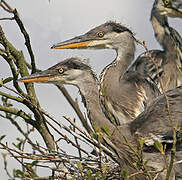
{"points": [[70, 45]]}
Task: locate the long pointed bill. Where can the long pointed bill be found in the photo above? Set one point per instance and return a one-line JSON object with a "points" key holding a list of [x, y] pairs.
{"points": [[36, 77], [70, 46], [78, 42], [174, 12], [81, 42], [178, 14]]}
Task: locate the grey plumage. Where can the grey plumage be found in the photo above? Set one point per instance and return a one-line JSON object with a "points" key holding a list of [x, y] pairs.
{"points": [[123, 96], [113, 35], [169, 60], [154, 120]]}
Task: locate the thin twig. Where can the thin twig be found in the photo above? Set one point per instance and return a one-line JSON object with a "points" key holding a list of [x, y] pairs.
{"points": [[49, 116], [27, 39], [2, 19], [7, 6], [75, 125], [76, 140], [76, 108], [16, 17], [5, 166]]}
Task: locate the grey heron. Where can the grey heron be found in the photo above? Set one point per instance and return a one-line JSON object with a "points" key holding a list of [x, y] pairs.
{"points": [[168, 60], [151, 125], [123, 97]]}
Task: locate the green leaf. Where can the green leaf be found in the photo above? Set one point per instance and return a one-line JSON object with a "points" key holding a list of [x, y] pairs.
{"points": [[159, 147], [29, 115], [103, 93], [103, 177], [141, 142], [30, 172], [34, 163], [106, 130], [89, 174], [94, 135], [79, 165], [19, 145], [98, 174], [4, 155], [71, 127], [7, 80], [124, 173], [1, 82], [18, 173], [180, 68], [96, 129]]}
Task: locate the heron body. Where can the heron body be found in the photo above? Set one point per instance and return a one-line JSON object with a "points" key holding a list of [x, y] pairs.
{"points": [[152, 124], [123, 96], [168, 60]]}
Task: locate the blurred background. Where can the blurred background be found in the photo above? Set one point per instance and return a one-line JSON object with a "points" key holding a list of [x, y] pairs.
{"points": [[49, 22]]}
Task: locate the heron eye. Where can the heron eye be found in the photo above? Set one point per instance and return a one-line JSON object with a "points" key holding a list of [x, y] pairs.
{"points": [[166, 2], [100, 34], [60, 70]]}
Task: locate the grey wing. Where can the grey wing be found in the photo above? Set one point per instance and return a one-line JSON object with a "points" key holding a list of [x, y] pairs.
{"points": [[178, 40], [144, 65], [131, 97], [155, 123], [137, 92], [176, 36]]}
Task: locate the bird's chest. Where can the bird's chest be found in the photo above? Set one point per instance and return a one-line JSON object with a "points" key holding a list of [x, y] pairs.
{"points": [[110, 96], [109, 81]]}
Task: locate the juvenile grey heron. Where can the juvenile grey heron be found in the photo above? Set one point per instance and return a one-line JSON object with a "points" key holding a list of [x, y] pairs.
{"points": [[123, 97], [151, 125], [113, 35], [169, 60]]}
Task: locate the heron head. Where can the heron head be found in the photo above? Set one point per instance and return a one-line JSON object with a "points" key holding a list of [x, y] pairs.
{"points": [[108, 35], [69, 71], [170, 8]]}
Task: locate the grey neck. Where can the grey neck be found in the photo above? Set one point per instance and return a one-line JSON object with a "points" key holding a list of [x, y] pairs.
{"points": [[88, 87], [90, 95], [113, 71], [125, 56], [162, 29]]}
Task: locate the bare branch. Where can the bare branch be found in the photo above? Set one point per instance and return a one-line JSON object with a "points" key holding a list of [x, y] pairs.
{"points": [[27, 39], [5, 165], [4, 19], [19, 113], [76, 108], [7, 5], [17, 99]]}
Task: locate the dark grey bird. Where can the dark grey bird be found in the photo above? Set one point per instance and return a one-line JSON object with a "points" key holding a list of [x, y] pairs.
{"points": [[168, 60], [154, 124], [123, 97]]}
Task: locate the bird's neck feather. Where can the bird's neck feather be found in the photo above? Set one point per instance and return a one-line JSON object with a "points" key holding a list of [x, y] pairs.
{"points": [[113, 71], [125, 56], [162, 30], [89, 90]]}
